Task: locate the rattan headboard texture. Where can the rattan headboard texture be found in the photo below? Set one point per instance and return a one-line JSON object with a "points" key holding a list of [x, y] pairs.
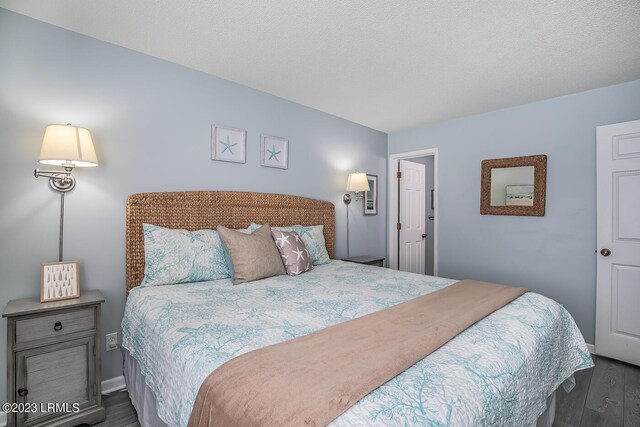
{"points": [[197, 210]]}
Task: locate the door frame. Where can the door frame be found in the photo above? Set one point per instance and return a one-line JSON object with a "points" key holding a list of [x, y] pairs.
{"points": [[392, 250]]}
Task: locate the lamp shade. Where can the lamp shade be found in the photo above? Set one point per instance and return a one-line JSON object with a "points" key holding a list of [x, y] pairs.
{"points": [[67, 145], [357, 182]]}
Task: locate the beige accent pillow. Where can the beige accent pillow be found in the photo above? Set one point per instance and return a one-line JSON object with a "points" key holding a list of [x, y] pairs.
{"points": [[253, 256]]}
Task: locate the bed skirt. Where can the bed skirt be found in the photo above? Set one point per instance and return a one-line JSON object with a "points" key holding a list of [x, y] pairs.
{"points": [[144, 401], [141, 395]]}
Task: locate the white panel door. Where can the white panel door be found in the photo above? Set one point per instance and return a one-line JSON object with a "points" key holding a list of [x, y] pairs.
{"points": [[618, 281], [412, 217]]}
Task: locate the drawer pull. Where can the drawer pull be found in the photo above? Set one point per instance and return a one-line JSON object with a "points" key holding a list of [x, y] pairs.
{"points": [[22, 392], [57, 326]]}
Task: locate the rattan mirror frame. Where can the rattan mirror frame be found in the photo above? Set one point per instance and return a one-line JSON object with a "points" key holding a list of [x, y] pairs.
{"points": [[539, 163]]}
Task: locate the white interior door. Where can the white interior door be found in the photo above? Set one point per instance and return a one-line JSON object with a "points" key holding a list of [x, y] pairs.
{"points": [[412, 217], [618, 281]]}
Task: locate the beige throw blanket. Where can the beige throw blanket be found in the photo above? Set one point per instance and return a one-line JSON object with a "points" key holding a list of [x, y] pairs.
{"points": [[311, 380]]}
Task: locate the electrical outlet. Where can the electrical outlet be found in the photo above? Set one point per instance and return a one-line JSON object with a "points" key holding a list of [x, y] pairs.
{"points": [[112, 341]]}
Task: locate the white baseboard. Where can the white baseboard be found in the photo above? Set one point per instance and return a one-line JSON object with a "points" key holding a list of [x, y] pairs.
{"points": [[113, 384], [592, 348]]}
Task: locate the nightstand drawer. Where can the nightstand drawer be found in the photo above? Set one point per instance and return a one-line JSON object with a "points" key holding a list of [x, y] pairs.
{"points": [[55, 325]]}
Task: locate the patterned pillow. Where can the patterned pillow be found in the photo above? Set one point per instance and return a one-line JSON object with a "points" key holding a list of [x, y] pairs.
{"points": [[181, 256], [312, 237], [294, 255]]}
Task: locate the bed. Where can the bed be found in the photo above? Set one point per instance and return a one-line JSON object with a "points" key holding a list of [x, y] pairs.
{"points": [[504, 370]]}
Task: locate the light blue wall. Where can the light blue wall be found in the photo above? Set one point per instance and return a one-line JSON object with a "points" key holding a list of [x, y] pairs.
{"points": [[150, 121], [555, 254]]}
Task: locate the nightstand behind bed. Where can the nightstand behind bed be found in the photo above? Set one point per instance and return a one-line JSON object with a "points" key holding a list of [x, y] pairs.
{"points": [[365, 259], [53, 356]]}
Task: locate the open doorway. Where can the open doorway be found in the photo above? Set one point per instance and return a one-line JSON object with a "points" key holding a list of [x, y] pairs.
{"points": [[413, 215]]}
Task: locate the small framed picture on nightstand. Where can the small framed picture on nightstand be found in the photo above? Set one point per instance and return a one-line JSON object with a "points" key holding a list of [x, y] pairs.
{"points": [[59, 280]]}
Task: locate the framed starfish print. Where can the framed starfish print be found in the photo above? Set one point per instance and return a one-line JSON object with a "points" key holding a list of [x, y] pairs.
{"points": [[228, 144], [274, 152]]}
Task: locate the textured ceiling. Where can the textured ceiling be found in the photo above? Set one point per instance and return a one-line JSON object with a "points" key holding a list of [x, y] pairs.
{"points": [[389, 65]]}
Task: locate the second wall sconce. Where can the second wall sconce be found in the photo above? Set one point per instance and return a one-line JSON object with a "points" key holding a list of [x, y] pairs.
{"points": [[357, 183]]}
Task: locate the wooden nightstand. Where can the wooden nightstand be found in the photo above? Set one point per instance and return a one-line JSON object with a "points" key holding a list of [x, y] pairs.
{"points": [[53, 356], [365, 259]]}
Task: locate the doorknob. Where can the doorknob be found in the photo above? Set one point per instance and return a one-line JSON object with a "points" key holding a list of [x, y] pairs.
{"points": [[605, 252], [424, 236]]}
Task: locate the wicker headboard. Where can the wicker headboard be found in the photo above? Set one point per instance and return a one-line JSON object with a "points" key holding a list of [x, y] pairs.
{"points": [[196, 210]]}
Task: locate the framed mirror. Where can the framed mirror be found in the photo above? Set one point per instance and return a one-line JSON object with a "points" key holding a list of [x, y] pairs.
{"points": [[514, 186]]}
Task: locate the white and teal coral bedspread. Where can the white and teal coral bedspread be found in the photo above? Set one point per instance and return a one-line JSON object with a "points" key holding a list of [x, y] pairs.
{"points": [[496, 373]]}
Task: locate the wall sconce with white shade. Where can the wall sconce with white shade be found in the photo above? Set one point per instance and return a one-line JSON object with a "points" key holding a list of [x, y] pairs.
{"points": [[357, 183], [69, 147]]}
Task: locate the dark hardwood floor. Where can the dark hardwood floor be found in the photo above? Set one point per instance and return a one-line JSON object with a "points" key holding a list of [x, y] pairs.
{"points": [[607, 395], [120, 411]]}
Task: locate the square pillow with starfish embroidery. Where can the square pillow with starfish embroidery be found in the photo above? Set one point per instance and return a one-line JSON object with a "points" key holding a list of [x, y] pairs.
{"points": [[294, 254], [312, 236]]}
